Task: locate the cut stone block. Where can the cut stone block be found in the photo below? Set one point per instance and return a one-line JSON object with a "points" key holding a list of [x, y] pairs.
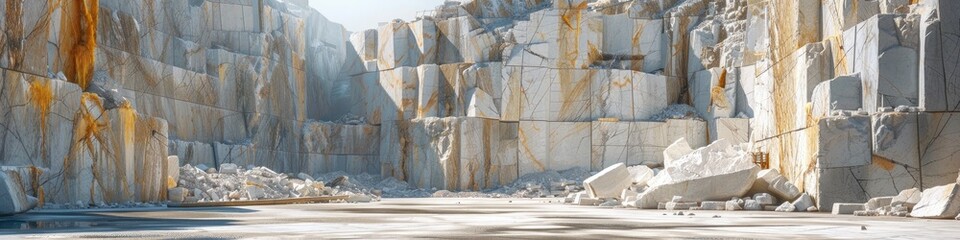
{"points": [[425, 37], [711, 173], [428, 93], [939, 135], [553, 146], [532, 138], [770, 180], [638, 41], [713, 205], [846, 208], [714, 92], [394, 49], [365, 44], [400, 86], [478, 146], [844, 142], [558, 38], [840, 15], [841, 93], [895, 138], [568, 145], [886, 61], [610, 144], [511, 95], [737, 130], [481, 105], [630, 95], [608, 183], [940, 202]]}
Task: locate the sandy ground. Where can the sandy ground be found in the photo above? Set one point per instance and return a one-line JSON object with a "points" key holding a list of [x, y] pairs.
{"points": [[460, 218]]}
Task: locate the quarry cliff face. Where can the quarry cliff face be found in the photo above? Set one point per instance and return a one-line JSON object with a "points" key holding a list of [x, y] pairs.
{"points": [[846, 99]]}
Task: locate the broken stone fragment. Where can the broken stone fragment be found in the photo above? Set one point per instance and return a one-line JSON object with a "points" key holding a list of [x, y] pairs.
{"points": [[770, 180], [584, 199], [608, 183], [877, 203], [718, 171], [765, 199], [13, 199], [359, 198], [177, 194], [640, 175], [733, 205], [752, 205], [846, 208], [803, 202], [938, 202], [786, 207], [679, 205], [713, 205]]}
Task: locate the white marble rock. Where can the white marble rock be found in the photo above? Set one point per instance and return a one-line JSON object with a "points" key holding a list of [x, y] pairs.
{"points": [[481, 105], [841, 93], [770, 180], [428, 91], [14, 198], [394, 45], [844, 142], [939, 202], [365, 44], [878, 203], [711, 173], [939, 134], [895, 138], [608, 183], [675, 151], [907, 198], [737, 130]]}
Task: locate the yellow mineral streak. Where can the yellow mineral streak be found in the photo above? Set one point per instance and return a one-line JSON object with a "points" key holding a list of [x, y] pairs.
{"points": [[79, 39], [35, 174], [717, 96], [41, 96]]}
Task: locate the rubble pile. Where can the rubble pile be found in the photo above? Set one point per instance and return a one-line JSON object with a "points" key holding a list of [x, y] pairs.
{"points": [[233, 183]]}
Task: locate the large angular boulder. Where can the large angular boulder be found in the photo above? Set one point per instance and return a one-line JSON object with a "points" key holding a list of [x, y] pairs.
{"points": [[715, 172], [13, 200], [938, 202], [609, 183]]}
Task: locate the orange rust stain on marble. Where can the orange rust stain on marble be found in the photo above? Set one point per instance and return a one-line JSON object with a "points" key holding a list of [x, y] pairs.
{"points": [[883, 163], [35, 174], [572, 89], [41, 96], [79, 38]]}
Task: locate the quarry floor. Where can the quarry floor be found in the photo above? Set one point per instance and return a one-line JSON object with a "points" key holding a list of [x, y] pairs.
{"points": [[458, 218]]}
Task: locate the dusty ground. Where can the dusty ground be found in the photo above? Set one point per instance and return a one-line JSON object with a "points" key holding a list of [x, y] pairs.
{"points": [[459, 218]]}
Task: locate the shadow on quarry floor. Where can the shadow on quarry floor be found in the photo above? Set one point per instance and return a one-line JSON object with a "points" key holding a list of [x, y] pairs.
{"points": [[83, 221]]}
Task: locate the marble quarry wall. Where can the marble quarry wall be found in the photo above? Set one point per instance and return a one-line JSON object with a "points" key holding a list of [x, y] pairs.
{"points": [[848, 99]]}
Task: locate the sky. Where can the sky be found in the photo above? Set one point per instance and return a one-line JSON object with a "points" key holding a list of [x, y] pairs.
{"points": [[357, 15]]}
